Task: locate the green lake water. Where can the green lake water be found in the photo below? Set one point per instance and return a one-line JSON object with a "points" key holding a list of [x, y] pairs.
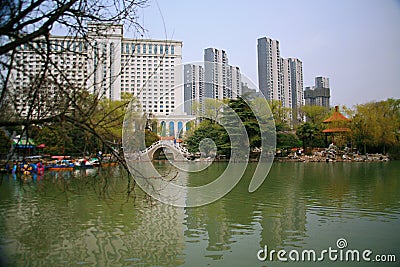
{"points": [[87, 218]]}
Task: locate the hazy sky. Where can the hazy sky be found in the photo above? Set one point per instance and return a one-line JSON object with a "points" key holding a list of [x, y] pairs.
{"points": [[356, 43]]}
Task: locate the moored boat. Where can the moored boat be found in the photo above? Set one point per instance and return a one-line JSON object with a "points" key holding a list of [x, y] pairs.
{"points": [[83, 164], [60, 165], [95, 162]]}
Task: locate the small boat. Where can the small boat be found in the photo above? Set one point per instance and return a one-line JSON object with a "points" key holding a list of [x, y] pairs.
{"points": [[95, 162], [109, 164], [83, 164], [61, 165]]}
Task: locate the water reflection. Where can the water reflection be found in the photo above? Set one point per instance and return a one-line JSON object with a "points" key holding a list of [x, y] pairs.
{"points": [[73, 219], [89, 218]]}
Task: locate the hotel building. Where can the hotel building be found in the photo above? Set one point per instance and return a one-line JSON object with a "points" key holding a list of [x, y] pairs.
{"points": [[110, 65], [106, 64]]}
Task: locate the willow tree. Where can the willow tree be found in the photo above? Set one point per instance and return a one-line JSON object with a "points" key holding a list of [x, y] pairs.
{"points": [[377, 125]]}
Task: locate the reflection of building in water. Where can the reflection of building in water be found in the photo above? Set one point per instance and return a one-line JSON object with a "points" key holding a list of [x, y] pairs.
{"points": [[280, 212], [154, 235], [212, 219], [283, 219], [156, 238], [101, 232]]}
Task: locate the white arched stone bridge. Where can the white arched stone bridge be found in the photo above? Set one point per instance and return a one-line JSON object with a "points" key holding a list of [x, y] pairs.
{"points": [[171, 150]]}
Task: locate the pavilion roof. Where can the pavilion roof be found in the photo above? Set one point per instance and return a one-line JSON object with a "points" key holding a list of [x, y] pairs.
{"points": [[336, 130], [336, 116]]}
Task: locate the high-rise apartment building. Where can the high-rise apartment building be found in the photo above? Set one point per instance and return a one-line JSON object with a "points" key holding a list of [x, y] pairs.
{"points": [[215, 79], [234, 82], [221, 80], [286, 80], [318, 95], [104, 60], [296, 77], [280, 78], [215, 73], [67, 71], [269, 68], [109, 66], [193, 86], [321, 82]]}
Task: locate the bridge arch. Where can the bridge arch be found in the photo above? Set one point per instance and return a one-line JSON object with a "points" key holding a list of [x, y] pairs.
{"points": [[157, 153], [178, 153]]}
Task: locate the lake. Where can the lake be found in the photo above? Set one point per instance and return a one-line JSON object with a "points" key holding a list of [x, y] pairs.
{"points": [[98, 218]]}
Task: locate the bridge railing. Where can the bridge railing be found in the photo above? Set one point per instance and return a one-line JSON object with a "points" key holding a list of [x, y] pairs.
{"points": [[166, 143], [144, 151]]}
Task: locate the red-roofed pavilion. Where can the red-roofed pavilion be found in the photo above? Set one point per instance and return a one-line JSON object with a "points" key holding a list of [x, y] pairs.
{"points": [[337, 125]]}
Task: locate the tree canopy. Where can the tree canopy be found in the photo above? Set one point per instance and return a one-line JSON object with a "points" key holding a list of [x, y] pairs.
{"points": [[376, 125]]}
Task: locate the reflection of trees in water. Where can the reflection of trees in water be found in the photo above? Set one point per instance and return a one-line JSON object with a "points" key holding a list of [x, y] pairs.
{"points": [[283, 214], [209, 220], [358, 188], [276, 208], [70, 218], [294, 190]]}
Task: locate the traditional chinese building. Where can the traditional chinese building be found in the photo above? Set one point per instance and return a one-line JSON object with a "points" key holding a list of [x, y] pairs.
{"points": [[337, 128]]}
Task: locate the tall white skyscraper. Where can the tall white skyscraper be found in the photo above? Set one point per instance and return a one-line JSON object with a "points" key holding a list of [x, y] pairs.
{"points": [[193, 86], [234, 82], [280, 78], [111, 65], [296, 77], [286, 78], [269, 68], [215, 73], [215, 79], [221, 81]]}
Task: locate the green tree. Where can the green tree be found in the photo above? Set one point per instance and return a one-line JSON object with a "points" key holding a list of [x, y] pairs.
{"points": [[213, 109], [248, 119], [108, 119], [55, 139], [281, 115], [287, 140], [315, 114], [307, 132], [212, 130], [239, 113], [376, 125], [150, 137]]}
